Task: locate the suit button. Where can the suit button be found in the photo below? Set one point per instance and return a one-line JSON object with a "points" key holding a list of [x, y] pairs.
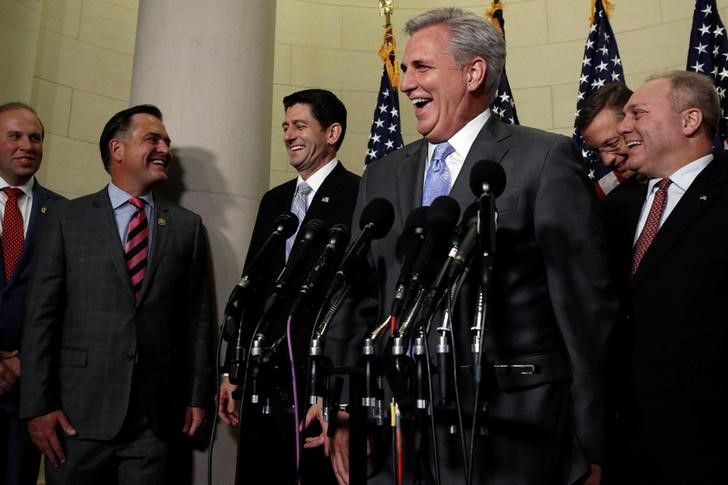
{"points": [[131, 356]]}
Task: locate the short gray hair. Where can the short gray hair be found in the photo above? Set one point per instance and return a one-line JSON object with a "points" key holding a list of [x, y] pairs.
{"points": [[470, 36], [693, 90]]}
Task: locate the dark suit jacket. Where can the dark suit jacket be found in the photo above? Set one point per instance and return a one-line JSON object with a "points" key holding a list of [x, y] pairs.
{"points": [[333, 204], [550, 300], [674, 338], [13, 292], [84, 326], [268, 442]]}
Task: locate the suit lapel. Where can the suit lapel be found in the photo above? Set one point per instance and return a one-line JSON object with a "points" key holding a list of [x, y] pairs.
{"points": [[325, 196], [104, 217], [488, 145], [704, 190], [410, 168], [160, 224]]}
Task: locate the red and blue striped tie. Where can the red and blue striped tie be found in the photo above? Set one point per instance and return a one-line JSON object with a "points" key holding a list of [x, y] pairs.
{"points": [[136, 248]]}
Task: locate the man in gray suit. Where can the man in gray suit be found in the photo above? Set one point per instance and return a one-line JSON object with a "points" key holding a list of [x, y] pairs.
{"points": [[116, 342], [549, 309]]}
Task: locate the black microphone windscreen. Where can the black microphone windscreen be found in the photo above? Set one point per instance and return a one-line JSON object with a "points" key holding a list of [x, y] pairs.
{"points": [[443, 213], [311, 229], [286, 224], [380, 214], [339, 235], [416, 219], [487, 175]]}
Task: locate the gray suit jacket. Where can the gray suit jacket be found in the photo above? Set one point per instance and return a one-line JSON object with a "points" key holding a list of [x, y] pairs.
{"points": [[550, 303], [84, 328]]}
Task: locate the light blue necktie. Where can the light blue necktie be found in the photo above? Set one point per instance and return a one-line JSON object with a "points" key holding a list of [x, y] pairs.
{"points": [[299, 208], [437, 178]]}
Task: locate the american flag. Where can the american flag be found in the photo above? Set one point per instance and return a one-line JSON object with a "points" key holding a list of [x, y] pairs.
{"points": [[386, 134], [708, 54], [601, 64], [503, 104]]}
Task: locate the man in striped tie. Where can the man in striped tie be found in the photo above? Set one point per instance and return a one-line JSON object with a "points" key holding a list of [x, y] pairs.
{"points": [[116, 342]]}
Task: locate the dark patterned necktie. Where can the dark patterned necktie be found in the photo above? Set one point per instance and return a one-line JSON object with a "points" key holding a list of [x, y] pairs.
{"points": [[136, 248], [12, 238], [651, 225]]}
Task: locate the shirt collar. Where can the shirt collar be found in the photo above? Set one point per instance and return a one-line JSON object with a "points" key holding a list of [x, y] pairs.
{"points": [[318, 177], [27, 187], [118, 197], [685, 176]]}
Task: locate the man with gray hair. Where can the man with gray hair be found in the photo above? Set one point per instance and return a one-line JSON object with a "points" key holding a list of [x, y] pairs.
{"points": [[549, 311], [670, 241]]}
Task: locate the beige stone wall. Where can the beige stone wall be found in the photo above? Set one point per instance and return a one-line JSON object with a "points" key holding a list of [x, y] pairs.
{"points": [[78, 61], [334, 45], [72, 60]]}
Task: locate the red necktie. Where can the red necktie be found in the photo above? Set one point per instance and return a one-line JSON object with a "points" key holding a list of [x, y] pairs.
{"points": [[136, 248], [12, 231], [651, 225]]}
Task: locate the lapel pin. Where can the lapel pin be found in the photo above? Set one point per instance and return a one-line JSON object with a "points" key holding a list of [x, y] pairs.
{"points": [[161, 221], [324, 199], [703, 197], [44, 210]]}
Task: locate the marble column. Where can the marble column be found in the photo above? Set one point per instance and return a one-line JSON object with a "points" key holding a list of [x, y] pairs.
{"points": [[209, 67]]}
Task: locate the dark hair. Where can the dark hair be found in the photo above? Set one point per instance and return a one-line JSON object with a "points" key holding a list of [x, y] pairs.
{"points": [[612, 95], [325, 107], [13, 105], [119, 124]]}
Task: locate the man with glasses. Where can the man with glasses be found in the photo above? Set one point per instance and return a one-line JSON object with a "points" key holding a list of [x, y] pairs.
{"points": [[597, 122]]}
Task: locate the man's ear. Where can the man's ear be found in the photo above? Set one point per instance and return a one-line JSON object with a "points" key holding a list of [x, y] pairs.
{"points": [[475, 73], [116, 149], [333, 133], [692, 121]]}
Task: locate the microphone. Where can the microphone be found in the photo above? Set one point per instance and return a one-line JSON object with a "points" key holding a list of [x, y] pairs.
{"points": [[487, 181], [414, 236], [441, 219], [460, 253], [375, 222], [338, 238], [302, 247], [283, 227]]}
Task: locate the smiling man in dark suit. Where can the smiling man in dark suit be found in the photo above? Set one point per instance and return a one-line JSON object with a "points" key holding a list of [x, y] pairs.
{"points": [[23, 207], [670, 243], [116, 343], [549, 309], [313, 131]]}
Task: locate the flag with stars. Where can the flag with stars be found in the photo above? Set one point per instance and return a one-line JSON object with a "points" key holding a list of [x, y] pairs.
{"points": [[708, 55], [601, 64], [503, 104], [386, 134]]}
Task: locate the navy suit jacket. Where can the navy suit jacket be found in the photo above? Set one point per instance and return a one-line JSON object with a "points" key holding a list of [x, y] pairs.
{"points": [[673, 335], [13, 293]]}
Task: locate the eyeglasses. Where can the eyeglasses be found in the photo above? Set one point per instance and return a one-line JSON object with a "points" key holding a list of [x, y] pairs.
{"points": [[612, 145]]}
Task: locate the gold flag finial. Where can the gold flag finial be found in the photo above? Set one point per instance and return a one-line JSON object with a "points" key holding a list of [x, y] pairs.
{"points": [[490, 14], [385, 9]]}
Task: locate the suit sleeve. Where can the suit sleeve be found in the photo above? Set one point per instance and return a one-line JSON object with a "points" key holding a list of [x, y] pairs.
{"points": [[39, 392], [572, 240], [199, 319]]}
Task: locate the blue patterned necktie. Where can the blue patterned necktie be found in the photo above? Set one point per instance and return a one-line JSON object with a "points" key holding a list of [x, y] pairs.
{"points": [[300, 206], [437, 178]]}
